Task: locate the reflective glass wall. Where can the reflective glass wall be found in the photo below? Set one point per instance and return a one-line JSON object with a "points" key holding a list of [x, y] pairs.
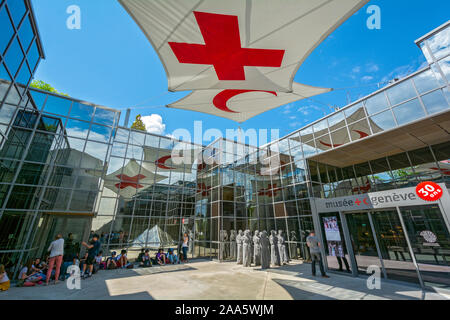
{"points": [[20, 53], [52, 161]]}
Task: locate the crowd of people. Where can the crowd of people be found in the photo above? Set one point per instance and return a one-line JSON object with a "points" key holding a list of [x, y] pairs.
{"points": [[64, 253]]}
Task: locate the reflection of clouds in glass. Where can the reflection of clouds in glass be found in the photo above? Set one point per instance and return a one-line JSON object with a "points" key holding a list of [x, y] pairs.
{"points": [[440, 43]]}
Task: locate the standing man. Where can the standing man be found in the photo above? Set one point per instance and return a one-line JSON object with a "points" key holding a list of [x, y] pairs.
{"points": [[56, 249], [314, 248], [93, 249]]}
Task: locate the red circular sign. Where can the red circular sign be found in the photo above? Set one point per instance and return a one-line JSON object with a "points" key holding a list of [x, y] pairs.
{"points": [[429, 191]]}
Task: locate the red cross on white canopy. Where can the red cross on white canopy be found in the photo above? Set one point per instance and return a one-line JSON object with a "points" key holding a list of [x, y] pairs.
{"points": [[237, 44]]}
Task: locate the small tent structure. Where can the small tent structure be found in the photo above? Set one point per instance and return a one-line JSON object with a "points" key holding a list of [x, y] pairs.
{"points": [[153, 238]]}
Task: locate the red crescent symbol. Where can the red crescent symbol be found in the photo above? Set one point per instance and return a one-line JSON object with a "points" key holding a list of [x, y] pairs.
{"points": [[160, 163], [221, 99], [365, 201], [361, 135]]}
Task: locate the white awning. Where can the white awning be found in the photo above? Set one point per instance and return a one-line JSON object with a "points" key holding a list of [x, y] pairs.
{"points": [[241, 105], [237, 44], [131, 179]]}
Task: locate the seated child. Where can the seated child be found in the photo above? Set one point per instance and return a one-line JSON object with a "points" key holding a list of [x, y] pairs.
{"points": [[146, 260], [111, 262], [173, 259], [161, 257]]}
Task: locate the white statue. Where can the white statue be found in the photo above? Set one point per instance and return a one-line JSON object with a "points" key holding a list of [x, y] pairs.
{"points": [[284, 258], [247, 252], [257, 248], [274, 253], [265, 250], [233, 245], [240, 242]]}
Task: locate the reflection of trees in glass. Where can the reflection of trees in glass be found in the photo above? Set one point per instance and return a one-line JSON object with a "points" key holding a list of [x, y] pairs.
{"points": [[39, 84]]}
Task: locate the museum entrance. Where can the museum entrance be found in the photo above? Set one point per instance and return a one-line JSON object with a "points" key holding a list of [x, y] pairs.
{"points": [[408, 244]]}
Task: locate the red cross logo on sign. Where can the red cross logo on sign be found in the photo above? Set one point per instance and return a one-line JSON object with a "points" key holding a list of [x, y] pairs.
{"points": [[223, 48]]}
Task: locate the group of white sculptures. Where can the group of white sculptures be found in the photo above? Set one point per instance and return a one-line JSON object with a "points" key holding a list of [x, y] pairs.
{"points": [[258, 249]]}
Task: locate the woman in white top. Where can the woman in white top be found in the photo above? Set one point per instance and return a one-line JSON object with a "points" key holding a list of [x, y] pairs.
{"points": [[56, 249], [4, 280]]}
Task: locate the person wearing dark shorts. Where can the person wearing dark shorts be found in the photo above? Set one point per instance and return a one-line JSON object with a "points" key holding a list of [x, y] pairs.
{"points": [[93, 249]]}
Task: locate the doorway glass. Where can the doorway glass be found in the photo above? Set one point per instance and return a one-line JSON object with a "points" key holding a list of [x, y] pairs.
{"points": [[363, 241], [430, 241], [394, 247]]}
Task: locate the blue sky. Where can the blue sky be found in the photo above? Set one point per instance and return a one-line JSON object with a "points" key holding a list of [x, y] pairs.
{"points": [[111, 63]]}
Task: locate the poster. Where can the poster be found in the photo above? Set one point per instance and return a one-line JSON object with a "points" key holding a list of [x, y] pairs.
{"points": [[331, 229]]}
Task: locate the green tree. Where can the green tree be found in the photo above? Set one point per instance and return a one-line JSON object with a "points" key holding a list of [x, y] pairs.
{"points": [[138, 124], [39, 84]]}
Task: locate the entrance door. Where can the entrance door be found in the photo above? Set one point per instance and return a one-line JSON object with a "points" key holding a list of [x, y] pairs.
{"points": [[430, 241], [393, 246], [363, 241]]}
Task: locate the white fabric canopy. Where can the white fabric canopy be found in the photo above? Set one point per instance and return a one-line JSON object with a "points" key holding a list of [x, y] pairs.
{"points": [[241, 105], [237, 44], [167, 160], [131, 179]]}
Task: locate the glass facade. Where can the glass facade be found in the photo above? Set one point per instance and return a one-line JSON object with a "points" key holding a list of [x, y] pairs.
{"points": [[68, 167]]}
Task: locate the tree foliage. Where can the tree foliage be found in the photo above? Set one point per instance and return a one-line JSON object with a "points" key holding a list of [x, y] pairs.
{"points": [[138, 124], [39, 84]]}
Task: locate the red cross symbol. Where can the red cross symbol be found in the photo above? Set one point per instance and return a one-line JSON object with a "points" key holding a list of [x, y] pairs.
{"points": [[223, 49], [364, 189], [127, 181], [268, 192], [201, 187]]}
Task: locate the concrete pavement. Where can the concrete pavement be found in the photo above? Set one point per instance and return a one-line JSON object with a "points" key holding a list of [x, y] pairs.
{"points": [[204, 279]]}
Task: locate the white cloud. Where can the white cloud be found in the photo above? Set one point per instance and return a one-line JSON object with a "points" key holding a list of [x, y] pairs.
{"points": [[356, 69], [372, 67], [154, 124], [367, 78]]}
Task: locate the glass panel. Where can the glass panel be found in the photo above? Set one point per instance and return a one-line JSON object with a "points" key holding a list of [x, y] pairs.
{"points": [[24, 75], [100, 133], [359, 130], [6, 113], [14, 57], [383, 121], [7, 30], [425, 81], [81, 111], [409, 112], [401, 92], [445, 67], [77, 129], [57, 105], [26, 33], [376, 103], [336, 121], [355, 113], [4, 76], [363, 242], [430, 240], [33, 56], [104, 116], [439, 44], [435, 102], [17, 9], [394, 247]]}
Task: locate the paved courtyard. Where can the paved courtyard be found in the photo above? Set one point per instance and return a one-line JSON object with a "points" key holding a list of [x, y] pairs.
{"points": [[212, 280]]}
